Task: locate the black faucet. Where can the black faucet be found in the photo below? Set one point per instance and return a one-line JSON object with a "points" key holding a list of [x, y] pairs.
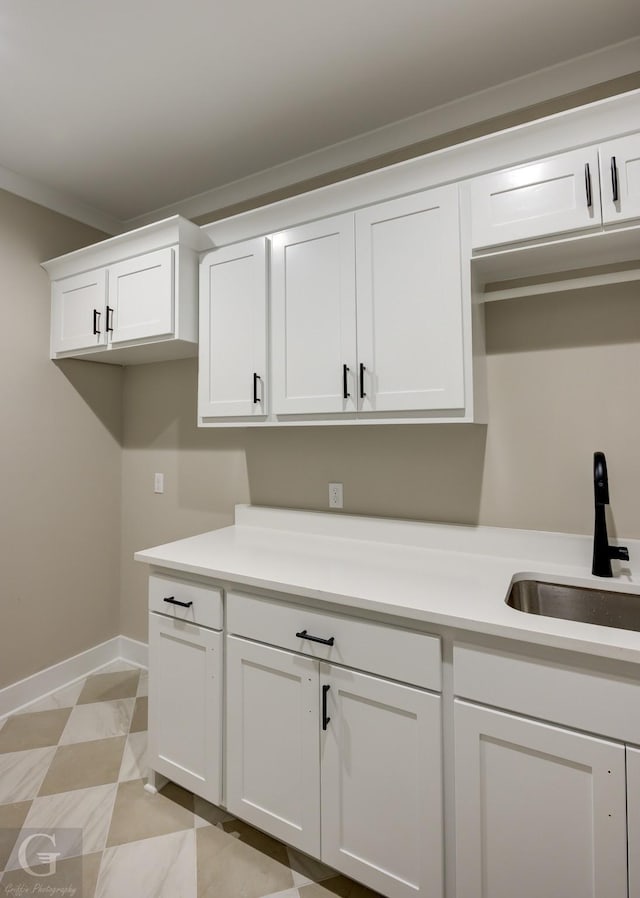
{"points": [[602, 551]]}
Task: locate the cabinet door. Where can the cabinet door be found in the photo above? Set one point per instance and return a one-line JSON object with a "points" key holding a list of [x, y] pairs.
{"points": [[273, 727], [314, 318], [410, 303], [539, 810], [78, 312], [633, 819], [541, 199], [185, 704], [382, 783], [233, 331], [620, 179], [141, 297]]}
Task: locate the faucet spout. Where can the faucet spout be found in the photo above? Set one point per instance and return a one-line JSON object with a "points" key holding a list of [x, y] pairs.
{"points": [[602, 551]]}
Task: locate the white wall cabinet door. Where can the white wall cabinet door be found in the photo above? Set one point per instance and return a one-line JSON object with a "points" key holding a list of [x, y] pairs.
{"points": [[314, 318], [273, 737], [185, 704], [409, 300], [633, 820], [141, 297], [620, 179], [382, 783], [233, 331], [540, 199], [78, 312], [539, 810]]}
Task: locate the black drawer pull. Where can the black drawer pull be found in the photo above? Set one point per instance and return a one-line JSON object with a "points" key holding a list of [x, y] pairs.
{"points": [[256, 379], [362, 392], [325, 720], [173, 601], [345, 388], [304, 635], [587, 185], [614, 180], [109, 320], [96, 322]]}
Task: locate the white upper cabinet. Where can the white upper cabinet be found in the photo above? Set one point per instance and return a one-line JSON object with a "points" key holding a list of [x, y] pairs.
{"points": [[233, 378], [620, 178], [551, 196], [409, 304], [140, 297], [129, 299], [367, 312], [78, 312], [313, 318]]}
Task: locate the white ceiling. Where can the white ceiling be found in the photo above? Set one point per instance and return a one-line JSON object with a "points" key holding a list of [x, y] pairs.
{"points": [[132, 105]]}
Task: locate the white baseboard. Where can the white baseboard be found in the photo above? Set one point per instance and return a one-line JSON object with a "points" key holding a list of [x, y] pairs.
{"points": [[133, 651], [38, 685]]}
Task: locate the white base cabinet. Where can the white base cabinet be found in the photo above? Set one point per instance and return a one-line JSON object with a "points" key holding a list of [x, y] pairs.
{"points": [[381, 777], [343, 765], [540, 810], [273, 742], [633, 820], [185, 704]]}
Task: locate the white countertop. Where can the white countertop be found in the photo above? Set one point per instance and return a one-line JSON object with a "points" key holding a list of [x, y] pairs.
{"points": [[449, 575]]}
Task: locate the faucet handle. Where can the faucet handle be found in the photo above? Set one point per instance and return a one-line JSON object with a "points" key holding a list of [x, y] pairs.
{"points": [[619, 552]]}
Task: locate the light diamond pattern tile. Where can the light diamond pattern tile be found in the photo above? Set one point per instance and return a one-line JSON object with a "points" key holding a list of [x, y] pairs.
{"points": [[22, 773], [100, 720], [160, 867], [90, 777], [88, 810]]}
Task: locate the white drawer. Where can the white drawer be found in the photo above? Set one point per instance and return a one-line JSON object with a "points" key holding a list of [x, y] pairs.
{"points": [[404, 655], [201, 604], [601, 697]]}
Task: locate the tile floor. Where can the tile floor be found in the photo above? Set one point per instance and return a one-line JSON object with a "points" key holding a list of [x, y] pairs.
{"points": [[76, 760]]}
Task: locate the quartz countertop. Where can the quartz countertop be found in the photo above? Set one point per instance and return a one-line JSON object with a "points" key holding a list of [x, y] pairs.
{"points": [[447, 575]]}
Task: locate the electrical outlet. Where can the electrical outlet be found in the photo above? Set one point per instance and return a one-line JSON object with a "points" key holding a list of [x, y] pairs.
{"points": [[335, 495], [158, 483]]}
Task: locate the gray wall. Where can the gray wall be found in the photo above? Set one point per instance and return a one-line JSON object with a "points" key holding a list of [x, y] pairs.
{"points": [[60, 462], [81, 442], [563, 376]]}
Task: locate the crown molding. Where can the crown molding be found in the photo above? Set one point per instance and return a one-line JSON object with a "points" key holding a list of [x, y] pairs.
{"points": [[564, 78], [58, 201]]}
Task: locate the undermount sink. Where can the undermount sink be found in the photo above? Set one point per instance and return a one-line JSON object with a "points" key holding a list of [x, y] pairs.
{"points": [[577, 603]]}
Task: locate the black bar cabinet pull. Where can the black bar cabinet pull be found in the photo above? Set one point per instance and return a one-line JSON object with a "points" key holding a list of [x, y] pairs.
{"points": [[325, 720], [587, 184], [96, 320], [256, 378], [614, 179], [109, 320], [304, 635], [173, 601], [362, 370], [345, 390]]}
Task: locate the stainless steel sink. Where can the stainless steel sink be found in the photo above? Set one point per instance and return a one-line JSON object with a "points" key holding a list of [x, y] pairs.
{"points": [[579, 603]]}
